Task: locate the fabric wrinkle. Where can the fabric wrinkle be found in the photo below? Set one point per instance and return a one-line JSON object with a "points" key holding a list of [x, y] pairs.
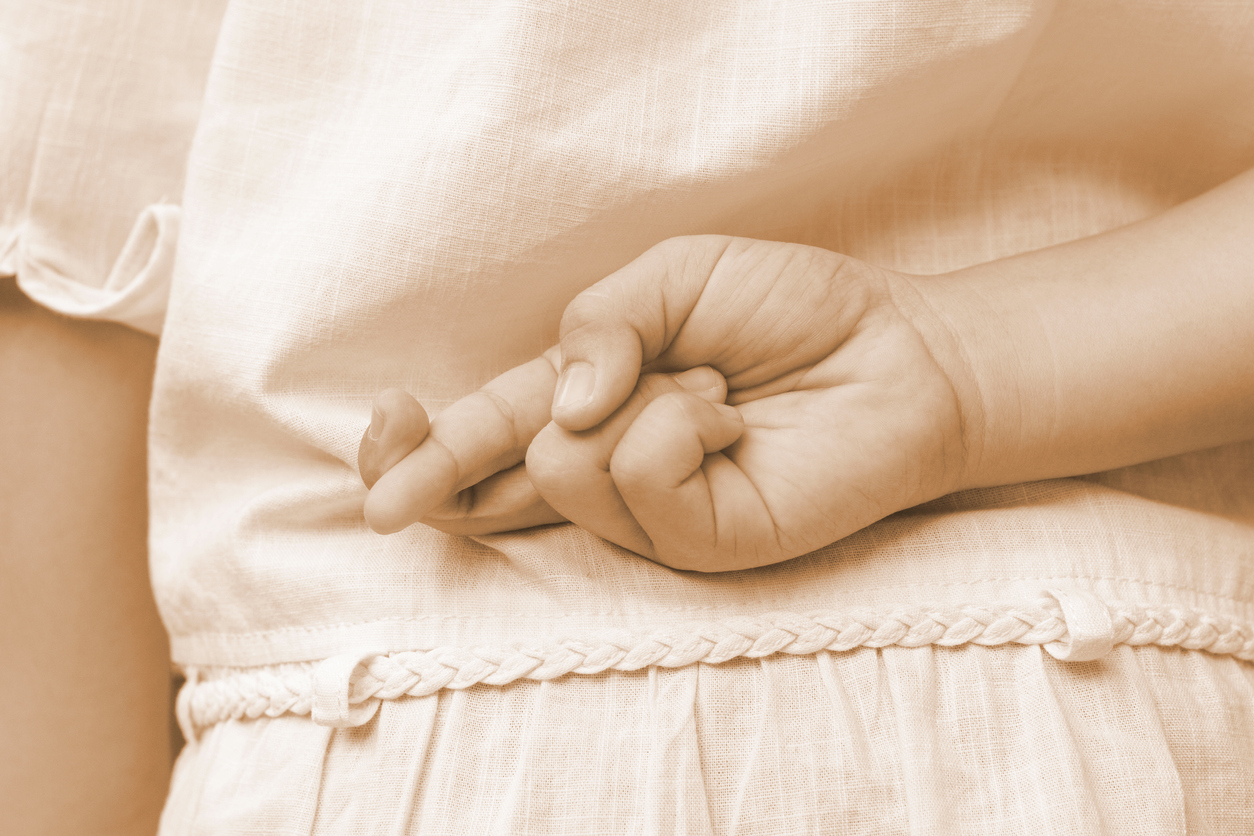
{"points": [[584, 750], [409, 195], [345, 690], [843, 714], [673, 798]]}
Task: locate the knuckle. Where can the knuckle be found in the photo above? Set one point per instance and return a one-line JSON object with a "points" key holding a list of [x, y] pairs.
{"points": [[634, 467], [694, 252], [654, 385], [553, 356], [682, 246], [583, 311], [503, 430], [550, 460], [676, 409], [646, 456], [675, 246]]}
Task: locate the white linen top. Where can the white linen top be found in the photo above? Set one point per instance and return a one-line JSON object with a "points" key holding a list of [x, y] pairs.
{"points": [[399, 194]]}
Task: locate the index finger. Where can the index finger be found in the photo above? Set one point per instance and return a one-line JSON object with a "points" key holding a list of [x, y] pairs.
{"points": [[623, 322], [479, 435]]}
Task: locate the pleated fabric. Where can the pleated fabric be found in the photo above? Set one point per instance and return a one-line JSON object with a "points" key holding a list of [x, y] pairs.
{"points": [[927, 741], [338, 198]]}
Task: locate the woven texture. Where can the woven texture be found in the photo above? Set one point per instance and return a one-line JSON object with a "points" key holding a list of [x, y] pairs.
{"points": [[252, 694], [99, 100], [882, 741], [398, 194], [408, 195]]}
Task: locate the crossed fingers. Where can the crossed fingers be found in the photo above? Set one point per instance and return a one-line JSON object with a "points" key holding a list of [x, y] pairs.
{"points": [[467, 470]]}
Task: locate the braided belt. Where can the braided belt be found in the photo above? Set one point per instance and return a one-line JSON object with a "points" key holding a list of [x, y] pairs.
{"points": [[346, 690]]}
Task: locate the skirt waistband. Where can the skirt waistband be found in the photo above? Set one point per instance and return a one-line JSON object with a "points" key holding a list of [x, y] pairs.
{"points": [[345, 690]]}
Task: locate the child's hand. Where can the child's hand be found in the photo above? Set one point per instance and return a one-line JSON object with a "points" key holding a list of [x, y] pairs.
{"points": [[842, 416], [463, 473], [863, 393], [858, 394]]}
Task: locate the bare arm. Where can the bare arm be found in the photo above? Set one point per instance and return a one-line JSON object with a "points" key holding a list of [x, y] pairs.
{"points": [[1125, 347], [85, 683]]}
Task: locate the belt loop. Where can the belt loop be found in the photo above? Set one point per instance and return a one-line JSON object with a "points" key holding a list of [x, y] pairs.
{"points": [[332, 692], [1090, 631]]}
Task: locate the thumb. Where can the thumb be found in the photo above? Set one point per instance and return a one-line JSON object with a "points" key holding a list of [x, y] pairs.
{"points": [[624, 322]]}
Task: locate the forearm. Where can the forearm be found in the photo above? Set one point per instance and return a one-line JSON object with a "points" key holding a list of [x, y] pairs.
{"points": [[86, 683], [1125, 347]]}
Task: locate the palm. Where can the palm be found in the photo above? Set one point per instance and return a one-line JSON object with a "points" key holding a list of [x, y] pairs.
{"points": [[825, 462], [841, 415], [847, 417]]}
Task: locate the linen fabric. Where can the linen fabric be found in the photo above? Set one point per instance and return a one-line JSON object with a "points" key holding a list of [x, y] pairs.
{"points": [[926, 740], [395, 194], [98, 105]]}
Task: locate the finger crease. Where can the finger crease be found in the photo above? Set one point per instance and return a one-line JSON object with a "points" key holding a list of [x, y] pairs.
{"points": [[506, 413]]}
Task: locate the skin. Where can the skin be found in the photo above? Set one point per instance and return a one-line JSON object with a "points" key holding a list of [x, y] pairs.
{"points": [[875, 392], [86, 682], [856, 391]]}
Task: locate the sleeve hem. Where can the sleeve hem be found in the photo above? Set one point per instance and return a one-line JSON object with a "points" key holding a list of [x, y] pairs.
{"points": [[137, 289]]}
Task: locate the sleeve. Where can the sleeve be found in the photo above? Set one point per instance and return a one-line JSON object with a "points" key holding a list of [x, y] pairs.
{"points": [[99, 101]]}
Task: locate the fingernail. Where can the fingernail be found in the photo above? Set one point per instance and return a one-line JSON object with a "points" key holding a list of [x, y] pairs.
{"points": [[376, 424], [698, 379], [575, 387], [729, 412]]}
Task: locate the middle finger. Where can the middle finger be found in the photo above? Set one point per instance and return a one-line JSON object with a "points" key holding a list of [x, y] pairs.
{"points": [[571, 470], [479, 435]]}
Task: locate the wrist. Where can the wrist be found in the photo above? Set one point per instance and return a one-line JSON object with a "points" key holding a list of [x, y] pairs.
{"points": [[1099, 353], [983, 344]]}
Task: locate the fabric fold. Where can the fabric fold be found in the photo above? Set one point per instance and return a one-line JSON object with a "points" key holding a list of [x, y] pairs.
{"points": [[333, 681], [1090, 630], [922, 741], [137, 289], [674, 790], [394, 750]]}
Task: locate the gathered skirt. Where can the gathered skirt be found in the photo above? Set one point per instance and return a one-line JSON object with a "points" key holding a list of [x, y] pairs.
{"points": [[926, 740]]}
